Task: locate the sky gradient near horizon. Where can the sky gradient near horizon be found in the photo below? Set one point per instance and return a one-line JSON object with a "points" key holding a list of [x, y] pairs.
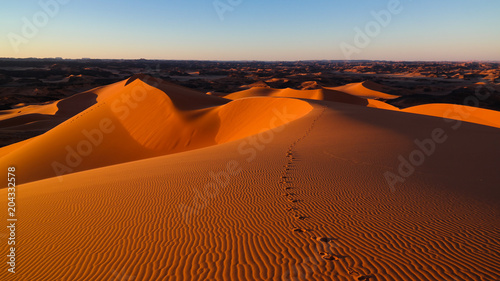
{"points": [[252, 29]]}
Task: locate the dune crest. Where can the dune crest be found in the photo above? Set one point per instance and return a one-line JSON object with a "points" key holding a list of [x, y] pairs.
{"points": [[136, 121], [366, 89]]}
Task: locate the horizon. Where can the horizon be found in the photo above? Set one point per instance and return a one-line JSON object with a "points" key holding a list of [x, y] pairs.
{"points": [[221, 30], [243, 60]]}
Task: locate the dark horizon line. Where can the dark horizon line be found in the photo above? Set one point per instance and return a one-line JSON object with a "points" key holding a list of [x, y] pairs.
{"points": [[272, 61]]}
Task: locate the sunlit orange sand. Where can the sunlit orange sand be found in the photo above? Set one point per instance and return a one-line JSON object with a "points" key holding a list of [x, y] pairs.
{"points": [[165, 183]]}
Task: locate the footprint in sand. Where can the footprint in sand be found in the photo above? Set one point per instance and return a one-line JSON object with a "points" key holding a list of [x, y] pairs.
{"points": [[324, 239], [328, 257], [300, 230], [299, 217], [331, 257]]}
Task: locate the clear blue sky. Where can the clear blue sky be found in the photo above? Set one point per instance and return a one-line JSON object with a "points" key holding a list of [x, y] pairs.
{"points": [[252, 30]]}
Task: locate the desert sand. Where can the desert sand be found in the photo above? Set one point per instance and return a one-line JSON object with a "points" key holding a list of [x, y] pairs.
{"points": [[266, 184], [458, 112], [367, 89]]}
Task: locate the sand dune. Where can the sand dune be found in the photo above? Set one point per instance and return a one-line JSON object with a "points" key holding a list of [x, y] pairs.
{"points": [[318, 94], [260, 188], [458, 112], [140, 121], [367, 89], [54, 113], [33, 120], [356, 93]]}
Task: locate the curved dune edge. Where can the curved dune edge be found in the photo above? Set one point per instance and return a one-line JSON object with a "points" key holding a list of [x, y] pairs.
{"points": [[140, 121], [45, 109], [192, 216], [458, 112], [47, 116], [317, 94], [366, 89]]}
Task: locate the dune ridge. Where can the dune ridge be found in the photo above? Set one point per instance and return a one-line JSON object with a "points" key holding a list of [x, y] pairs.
{"points": [[317, 94], [366, 89], [458, 112]]}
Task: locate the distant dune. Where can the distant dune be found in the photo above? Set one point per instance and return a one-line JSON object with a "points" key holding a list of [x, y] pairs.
{"points": [[318, 94], [367, 89], [458, 112], [161, 182]]}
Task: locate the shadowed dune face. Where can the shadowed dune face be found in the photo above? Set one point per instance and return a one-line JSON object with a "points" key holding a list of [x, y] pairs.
{"points": [[76, 104], [32, 120], [182, 98], [56, 112], [140, 121]]}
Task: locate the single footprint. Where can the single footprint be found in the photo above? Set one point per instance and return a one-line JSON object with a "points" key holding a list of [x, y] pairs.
{"points": [[323, 239], [328, 257], [331, 257], [300, 230]]}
